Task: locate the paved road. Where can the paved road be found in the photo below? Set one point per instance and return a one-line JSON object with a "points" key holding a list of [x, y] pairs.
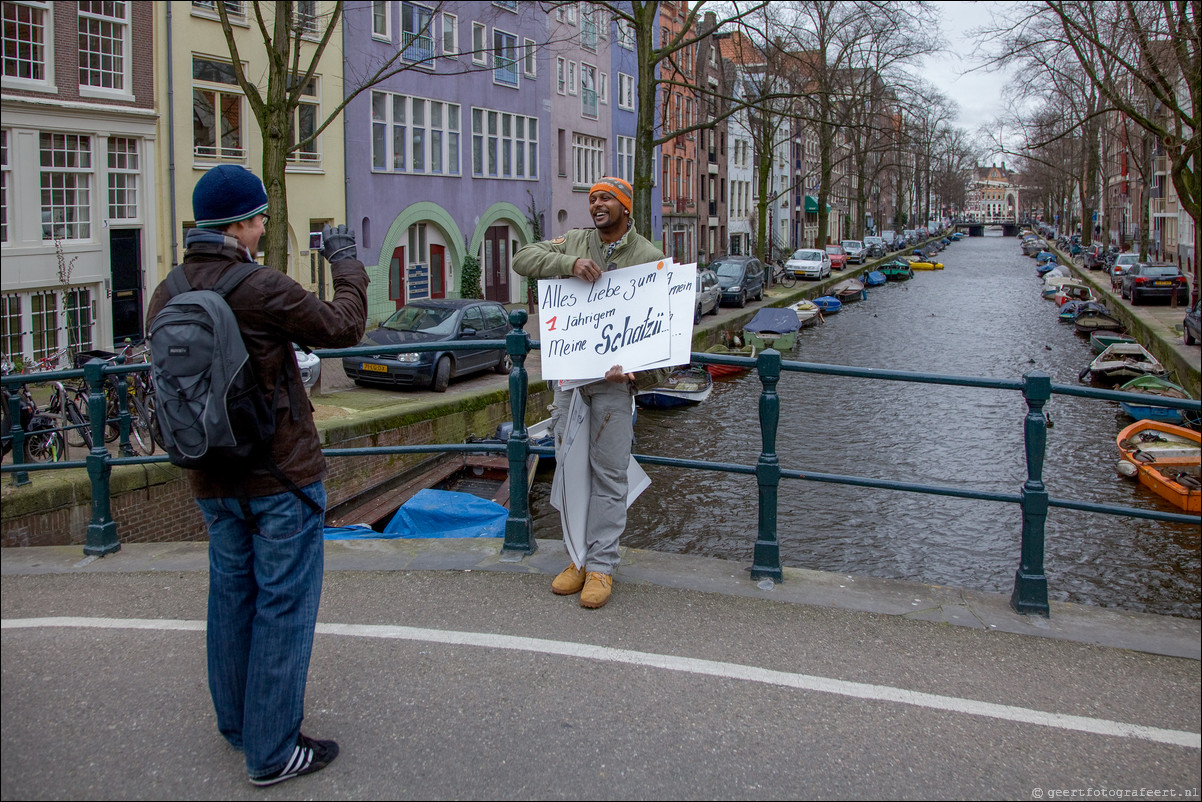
{"points": [[445, 671]]}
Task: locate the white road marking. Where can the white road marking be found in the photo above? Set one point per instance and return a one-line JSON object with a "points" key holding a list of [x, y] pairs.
{"points": [[690, 665]]}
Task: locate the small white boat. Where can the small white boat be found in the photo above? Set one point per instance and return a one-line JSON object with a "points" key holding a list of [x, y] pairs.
{"points": [[808, 314], [1052, 284], [1122, 362]]}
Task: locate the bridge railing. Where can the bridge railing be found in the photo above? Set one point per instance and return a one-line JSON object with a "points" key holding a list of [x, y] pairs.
{"points": [[1030, 591]]}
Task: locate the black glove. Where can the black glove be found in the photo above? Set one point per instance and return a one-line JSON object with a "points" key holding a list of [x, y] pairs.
{"points": [[338, 243]]}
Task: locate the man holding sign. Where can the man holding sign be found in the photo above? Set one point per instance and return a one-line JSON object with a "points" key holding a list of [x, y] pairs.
{"points": [[588, 254]]}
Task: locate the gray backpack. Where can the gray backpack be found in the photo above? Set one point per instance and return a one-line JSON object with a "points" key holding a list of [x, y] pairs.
{"points": [[210, 409]]}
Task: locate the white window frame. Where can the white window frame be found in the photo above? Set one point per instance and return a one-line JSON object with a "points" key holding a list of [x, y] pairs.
{"points": [[411, 41], [504, 145], [480, 49], [310, 99], [498, 61], [45, 83], [624, 158], [589, 107], [71, 170], [5, 181], [588, 29], [122, 43], [12, 328], [572, 78], [603, 87], [386, 34], [310, 27], [588, 160], [393, 116], [123, 159], [625, 38], [625, 92], [220, 153], [529, 58], [561, 75], [450, 25]]}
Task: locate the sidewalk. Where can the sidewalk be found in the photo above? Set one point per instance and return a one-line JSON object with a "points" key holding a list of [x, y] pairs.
{"points": [[446, 671]]}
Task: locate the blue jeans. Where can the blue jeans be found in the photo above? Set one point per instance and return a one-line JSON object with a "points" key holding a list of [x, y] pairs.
{"points": [[263, 594]]}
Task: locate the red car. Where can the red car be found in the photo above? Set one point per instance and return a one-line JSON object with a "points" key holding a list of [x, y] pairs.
{"points": [[838, 256]]}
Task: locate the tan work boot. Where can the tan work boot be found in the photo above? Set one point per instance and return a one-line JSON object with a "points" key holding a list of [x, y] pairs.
{"points": [[597, 587], [569, 581]]}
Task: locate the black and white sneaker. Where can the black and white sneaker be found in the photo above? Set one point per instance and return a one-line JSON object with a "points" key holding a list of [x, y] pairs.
{"points": [[309, 755]]}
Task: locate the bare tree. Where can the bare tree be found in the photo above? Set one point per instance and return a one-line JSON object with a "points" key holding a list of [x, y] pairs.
{"points": [[294, 45]]}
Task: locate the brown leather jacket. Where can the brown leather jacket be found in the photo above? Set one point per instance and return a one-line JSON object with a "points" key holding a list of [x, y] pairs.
{"points": [[273, 312]]}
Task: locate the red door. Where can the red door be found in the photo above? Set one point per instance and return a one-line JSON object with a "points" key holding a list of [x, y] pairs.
{"points": [[438, 281], [396, 277], [496, 264]]}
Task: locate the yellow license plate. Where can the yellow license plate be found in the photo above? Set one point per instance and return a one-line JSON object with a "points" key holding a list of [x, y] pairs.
{"points": [[1162, 283], [373, 368]]}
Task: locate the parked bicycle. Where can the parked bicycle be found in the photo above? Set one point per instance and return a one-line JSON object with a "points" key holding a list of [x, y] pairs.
{"points": [[138, 395], [783, 277], [43, 433]]}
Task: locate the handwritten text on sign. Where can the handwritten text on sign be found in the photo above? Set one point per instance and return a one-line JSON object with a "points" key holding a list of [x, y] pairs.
{"points": [[621, 319]]}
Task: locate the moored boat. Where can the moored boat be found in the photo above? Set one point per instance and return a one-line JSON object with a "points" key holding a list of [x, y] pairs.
{"points": [[1156, 387], [922, 263], [1167, 460], [829, 304], [683, 387], [1122, 362], [720, 371], [1074, 292], [1093, 317], [897, 270], [1101, 340], [808, 314], [848, 290], [772, 328], [874, 278]]}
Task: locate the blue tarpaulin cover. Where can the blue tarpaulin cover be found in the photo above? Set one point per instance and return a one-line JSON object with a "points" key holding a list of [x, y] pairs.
{"points": [[781, 321], [435, 513], [445, 513]]}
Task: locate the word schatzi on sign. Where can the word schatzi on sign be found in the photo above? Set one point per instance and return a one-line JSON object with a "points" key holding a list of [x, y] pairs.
{"points": [[623, 318]]}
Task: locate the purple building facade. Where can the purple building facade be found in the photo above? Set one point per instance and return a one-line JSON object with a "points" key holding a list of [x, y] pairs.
{"points": [[446, 159]]}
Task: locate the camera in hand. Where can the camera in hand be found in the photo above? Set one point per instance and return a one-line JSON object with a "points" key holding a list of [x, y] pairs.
{"points": [[315, 243]]}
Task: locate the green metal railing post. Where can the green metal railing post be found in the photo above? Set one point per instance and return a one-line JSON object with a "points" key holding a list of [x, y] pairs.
{"points": [[102, 530], [124, 423], [518, 527], [766, 557], [1030, 583], [17, 431]]}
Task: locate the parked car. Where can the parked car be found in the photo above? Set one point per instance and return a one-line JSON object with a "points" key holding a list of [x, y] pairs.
{"points": [[1191, 323], [838, 256], [1147, 280], [809, 263], [856, 252], [310, 366], [875, 247], [741, 277], [1094, 257], [709, 294], [433, 321], [910, 236], [889, 238], [1122, 263]]}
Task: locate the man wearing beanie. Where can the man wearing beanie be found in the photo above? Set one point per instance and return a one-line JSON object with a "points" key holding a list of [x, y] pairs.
{"points": [[266, 540], [586, 254]]}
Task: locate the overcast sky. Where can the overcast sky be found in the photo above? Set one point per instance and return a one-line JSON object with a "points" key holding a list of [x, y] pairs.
{"points": [[979, 93]]}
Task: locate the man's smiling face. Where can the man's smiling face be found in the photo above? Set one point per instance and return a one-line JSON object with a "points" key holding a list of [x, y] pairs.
{"points": [[606, 210]]}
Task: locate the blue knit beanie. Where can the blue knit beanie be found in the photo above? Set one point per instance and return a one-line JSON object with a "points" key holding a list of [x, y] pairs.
{"points": [[226, 194]]}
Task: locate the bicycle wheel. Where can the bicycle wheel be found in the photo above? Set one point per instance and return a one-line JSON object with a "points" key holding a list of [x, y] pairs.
{"points": [[77, 434], [112, 416], [45, 446], [787, 279], [140, 435]]}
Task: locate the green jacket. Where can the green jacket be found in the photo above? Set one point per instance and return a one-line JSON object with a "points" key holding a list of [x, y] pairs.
{"points": [[554, 259]]}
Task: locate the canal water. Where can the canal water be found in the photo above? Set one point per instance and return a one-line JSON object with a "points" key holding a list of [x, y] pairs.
{"points": [[980, 316]]}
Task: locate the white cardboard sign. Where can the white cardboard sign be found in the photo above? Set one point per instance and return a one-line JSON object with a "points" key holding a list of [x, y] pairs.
{"points": [[624, 318]]}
